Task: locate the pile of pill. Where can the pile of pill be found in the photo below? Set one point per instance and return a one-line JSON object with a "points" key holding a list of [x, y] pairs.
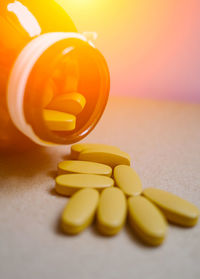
{"points": [[60, 110], [101, 183], [60, 114]]}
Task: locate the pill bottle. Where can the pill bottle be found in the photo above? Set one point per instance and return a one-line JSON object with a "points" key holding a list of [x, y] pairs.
{"points": [[41, 52]]}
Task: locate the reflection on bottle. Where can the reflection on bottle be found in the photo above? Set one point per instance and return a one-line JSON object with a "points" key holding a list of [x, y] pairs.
{"points": [[26, 18]]}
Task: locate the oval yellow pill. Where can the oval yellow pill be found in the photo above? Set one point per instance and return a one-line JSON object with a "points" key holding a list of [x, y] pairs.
{"points": [[147, 220], [59, 121], [127, 180], [83, 167], [77, 148], [111, 212], [109, 157], [79, 211], [72, 103], [176, 209], [68, 184]]}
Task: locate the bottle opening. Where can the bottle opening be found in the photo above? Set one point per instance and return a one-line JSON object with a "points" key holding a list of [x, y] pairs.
{"points": [[69, 66], [54, 65]]}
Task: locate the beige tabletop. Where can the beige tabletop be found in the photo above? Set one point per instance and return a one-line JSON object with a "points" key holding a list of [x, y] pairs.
{"points": [[163, 139]]}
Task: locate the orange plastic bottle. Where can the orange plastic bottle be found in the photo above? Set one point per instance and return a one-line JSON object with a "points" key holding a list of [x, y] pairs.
{"points": [[41, 50]]}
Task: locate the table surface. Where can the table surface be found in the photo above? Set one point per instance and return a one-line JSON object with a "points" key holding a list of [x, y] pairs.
{"points": [[163, 139]]}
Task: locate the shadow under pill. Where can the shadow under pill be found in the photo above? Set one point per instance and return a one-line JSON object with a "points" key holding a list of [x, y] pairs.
{"points": [[94, 230], [179, 227], [132, 236], [57, 227], [67, 157], [97, 233], [58, 230], [53, 192], [52, 173]]}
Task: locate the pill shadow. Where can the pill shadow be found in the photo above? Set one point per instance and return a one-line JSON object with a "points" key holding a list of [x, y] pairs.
{"points": [[133, 237], [179, 227], [128, 231], [53, 192], [58, 230], [25, 164], [52, 173], [95, 231], [67, 157], [57, 227]]}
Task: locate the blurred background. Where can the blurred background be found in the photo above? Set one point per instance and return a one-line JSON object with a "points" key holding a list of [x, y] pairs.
{"points": [[152, 46]]}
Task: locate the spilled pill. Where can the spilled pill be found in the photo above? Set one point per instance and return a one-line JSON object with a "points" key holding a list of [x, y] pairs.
{"points": [[79, 211], [68, 184], [77, 148], [90, 173], [127, 180], [72, 103], [83, 167], [176, 209], [59, 121], [147, 220], [111, 212], [108, 156]]}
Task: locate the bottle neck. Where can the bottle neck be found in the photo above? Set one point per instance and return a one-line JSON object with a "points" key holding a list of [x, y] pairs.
{"points": [[28, 78]]}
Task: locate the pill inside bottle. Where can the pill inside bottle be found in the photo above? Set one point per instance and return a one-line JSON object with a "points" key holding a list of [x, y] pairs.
{"points": [[70, 88]]}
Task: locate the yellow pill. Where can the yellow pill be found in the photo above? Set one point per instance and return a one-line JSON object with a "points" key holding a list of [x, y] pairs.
{"points": [[111, 212], [77, 148], [109, 157], [128, 180], [59, 121], [68, 184], [72, 103], [147, 220], [84, 168], [176, 209], [79, 211]]}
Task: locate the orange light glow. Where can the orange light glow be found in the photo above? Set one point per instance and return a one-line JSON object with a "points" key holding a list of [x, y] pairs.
{"points": [[152, 47]]}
